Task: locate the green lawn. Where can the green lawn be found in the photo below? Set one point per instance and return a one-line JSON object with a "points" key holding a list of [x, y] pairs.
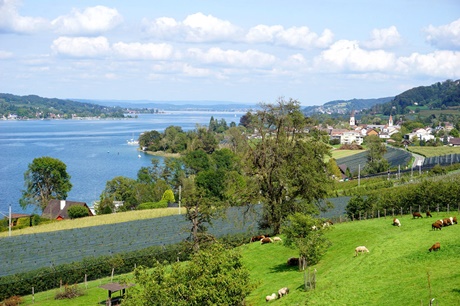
{"points": [[399, 270]]}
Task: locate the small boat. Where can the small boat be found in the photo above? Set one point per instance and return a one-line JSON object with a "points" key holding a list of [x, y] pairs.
{"points": [[139, 156], [133, 142]]}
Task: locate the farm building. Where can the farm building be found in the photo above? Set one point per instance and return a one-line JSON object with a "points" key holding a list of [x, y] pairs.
{"points": [[58, 209]]}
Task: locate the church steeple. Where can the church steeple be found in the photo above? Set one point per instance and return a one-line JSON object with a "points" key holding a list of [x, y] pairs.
{"points": [[352, 118], [390, 121]]}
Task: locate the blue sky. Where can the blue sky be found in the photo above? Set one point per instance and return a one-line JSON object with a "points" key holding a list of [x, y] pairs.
{"points": [[241, 51]]}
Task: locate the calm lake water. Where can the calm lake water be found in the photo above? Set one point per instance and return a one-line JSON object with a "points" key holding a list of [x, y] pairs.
{"points": [[95, 151]]}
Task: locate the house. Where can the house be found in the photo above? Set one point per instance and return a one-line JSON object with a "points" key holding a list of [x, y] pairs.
{"points": [[58, 209], [454, 142], [350, 137], [420, 134]]}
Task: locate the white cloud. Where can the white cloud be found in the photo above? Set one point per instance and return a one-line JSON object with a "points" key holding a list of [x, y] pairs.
{"points": [[383, 38], [144, 51], [297, 37], [195, 72], [12, 22], [92, 21], [249, 58], [5, 54], [443, 64], [346, 55], [195, 28], [81, 46], [445, 36]]}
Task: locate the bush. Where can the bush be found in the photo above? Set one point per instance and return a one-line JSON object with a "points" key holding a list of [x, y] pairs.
{"points": [[69, 292], [12, 301], [152, 205], [77, 212]]}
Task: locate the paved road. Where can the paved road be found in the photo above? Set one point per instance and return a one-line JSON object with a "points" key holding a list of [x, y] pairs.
{"points": [[418, 161]]}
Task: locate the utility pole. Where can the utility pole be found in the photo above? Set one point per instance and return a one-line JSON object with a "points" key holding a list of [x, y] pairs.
{"points": [[180, 189]]}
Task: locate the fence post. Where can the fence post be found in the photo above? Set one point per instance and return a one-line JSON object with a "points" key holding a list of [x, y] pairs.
{"points": [[410, 210], [437, 209], [447, 208], [86, 281], [359, 216], [378, 213], [393, 212], [33, 295], [419, 209], [385, 212], [401, 212]]}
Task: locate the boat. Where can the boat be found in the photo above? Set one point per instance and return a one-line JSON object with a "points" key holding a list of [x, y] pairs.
{"points": [[133, 142]]}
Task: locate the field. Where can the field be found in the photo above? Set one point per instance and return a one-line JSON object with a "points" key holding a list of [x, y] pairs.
{"points": [[435, 151], [399, 270], [96, 221]]}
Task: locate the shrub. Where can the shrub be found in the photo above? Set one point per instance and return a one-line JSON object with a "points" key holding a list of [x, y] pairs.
{"points": [[69, 292], [77, 212], [151, 205], [168, 196], [12, 301]]}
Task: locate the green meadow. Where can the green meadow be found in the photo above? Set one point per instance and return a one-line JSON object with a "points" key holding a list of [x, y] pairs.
{"points": [[398, 270]]}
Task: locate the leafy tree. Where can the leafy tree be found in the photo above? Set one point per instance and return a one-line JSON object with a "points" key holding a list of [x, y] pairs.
{"points": [[197, 161], [287, 163], [150, 140], [77, 211], [46, 178], [454, 133], [359, 206], [305, 233], [376, 163], [121, 188], [168, 196], [213, 276], [333, 169]]}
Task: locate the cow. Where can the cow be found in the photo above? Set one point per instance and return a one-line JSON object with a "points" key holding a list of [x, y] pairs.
{"points": [[428, 214], [396, 222], [436, 226], [435, 247], [416, 215], [283, 291], [293, 261], [266, 240], [257, 238]]}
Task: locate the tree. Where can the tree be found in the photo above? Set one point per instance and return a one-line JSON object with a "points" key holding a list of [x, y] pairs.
{"points": [[121, 188], [305, 233], [46, 178], [287, 162], [213, 276], [168, 196], [376, 163]]}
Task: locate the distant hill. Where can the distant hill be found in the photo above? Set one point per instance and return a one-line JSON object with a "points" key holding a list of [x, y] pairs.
{"points": [[207, 105], [33, 106], [344, 106], [441, 95]]}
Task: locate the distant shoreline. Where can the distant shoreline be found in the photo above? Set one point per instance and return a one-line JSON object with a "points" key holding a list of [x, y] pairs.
{"points": [[163, 154]]}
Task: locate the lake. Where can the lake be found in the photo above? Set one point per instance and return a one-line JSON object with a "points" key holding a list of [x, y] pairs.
{"points": [[95, 151]]}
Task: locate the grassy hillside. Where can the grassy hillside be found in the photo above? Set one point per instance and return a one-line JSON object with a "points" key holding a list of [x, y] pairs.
{"points": [[397, 271]]}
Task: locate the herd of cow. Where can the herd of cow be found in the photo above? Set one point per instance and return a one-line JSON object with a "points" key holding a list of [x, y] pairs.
{"points": [[437, 225]]}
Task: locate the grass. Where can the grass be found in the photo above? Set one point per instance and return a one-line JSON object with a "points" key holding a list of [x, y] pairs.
{"points": [[399, 270], [96, 220], [434, 151]]}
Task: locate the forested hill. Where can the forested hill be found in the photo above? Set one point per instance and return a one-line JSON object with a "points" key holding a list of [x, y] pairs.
{"points": [[441, 95], [33, 106], [344, 106]]}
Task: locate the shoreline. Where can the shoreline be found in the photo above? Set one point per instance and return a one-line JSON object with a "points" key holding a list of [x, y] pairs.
{"points": [[162, 154]]}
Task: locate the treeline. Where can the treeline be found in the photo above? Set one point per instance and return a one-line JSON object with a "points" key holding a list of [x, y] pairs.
{"points": [[440, 95], [175, 140], [32, 106]]}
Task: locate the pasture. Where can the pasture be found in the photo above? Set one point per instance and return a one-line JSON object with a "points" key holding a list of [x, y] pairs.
{"points": [[434, 151], [398, 270]]}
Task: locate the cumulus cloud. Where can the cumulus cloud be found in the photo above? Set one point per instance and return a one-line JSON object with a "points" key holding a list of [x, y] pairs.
{"points": [[383, 38], [346, 55], [445, 36], [194, 28], [248, 58], [81, 46], [297, 37], [91, 21], [12, 22], [148, 51], [443, 64]]}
